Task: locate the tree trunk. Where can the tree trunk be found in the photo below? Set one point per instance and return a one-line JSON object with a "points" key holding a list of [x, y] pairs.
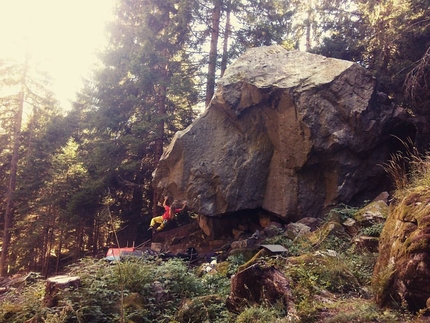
{"points": [[309, 23], [226, 38], [210, 85], [160, 137], [96, 235], [161, 93], [60, 247], [79, 240], [8, 217], [46, 262]]}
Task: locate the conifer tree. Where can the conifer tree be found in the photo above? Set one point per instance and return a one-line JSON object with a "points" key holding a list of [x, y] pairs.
{"points": [[16, 142], [26, 93], [144, 93]]}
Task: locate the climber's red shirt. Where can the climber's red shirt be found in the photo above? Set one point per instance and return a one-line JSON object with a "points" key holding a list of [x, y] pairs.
{"points": [[166, 215]]}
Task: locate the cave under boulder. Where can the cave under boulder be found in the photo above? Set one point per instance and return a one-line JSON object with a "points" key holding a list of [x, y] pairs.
{"points": [[287, 132]]}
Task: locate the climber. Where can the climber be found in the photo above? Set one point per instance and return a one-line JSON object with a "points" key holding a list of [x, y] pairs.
{"points": [[169, 214]]}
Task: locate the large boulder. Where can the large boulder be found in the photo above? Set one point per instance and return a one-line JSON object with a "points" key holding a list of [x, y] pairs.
{"points": [[290, 132]]}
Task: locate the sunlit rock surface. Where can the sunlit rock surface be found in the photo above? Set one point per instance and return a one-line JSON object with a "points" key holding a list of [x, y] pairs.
{"points": [[290, 132]]}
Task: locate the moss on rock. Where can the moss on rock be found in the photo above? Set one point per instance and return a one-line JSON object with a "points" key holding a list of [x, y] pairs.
{"points": [[402, 271]]}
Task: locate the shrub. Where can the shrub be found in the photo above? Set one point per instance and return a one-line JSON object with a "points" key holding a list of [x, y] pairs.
{"points": [[22, 304], [373, 231], [341, 213], [216, 284], [258, 314], [131, 290], [362, 311], [210, 308], [235, 261]]}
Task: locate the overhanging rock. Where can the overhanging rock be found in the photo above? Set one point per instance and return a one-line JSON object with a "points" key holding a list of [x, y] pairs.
{"points": [[289, 132]]}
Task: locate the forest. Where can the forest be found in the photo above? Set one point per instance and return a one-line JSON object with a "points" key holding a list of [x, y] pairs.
{"points": [[70, 179]]}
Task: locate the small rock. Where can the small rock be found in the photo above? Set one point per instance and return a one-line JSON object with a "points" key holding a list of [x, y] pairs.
{"points": [[310, 222], [382, 197], [272, 230], [375, 212], [368, 243], [240, 244], [351, 226], [296, 229]]}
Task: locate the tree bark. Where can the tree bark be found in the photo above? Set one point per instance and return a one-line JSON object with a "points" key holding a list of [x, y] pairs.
{"points": [[160, 137], [8, 217], [226, 38], [59, 248], [210, 85]]}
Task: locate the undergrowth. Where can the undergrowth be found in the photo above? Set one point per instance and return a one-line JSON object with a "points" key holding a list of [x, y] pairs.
{"points": [[329, 279]]}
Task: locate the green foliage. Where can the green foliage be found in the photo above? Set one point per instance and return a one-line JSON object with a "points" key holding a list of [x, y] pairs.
{"points": [[260, 314], [97, 300], [150, 289], [381, 282], [342, 213], [216, 284], [334, 267], [340, 244], [22, 304], [208, 308], [263, 24], [177, 280], [373, 231], [360, 263], [235, 261], [313, 274], [295, 248], [365, 311]]}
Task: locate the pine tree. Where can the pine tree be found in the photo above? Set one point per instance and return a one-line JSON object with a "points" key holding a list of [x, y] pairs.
{"points": [[16, 142], [264, 23], [143, 95], [25, 93], [213, 51]]}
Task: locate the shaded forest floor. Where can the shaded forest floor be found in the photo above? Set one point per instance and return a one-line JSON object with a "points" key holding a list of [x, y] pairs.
{"points": [[329, 273]]}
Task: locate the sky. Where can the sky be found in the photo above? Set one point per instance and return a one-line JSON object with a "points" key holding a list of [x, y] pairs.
{"points": [[62, 37]]}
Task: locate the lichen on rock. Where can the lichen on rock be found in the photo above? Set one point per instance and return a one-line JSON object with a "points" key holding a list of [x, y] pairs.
{"points": [[289, 132]]}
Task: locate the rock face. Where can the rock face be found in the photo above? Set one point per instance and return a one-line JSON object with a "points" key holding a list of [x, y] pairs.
{"points": [[402, 271], [290, 132]]}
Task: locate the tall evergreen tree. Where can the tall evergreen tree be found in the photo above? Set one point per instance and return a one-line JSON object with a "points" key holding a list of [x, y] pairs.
{"points": [[143, 95], [264, 23], [26, 93], [213, 51], [387, 37], [8, 213]]}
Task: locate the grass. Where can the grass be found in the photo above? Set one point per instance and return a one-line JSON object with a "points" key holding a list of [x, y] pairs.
{"points": [[329, 281]]}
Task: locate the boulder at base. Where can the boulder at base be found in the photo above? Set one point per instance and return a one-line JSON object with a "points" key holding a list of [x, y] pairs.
{"points": [[402, 271], [290, 132]]}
